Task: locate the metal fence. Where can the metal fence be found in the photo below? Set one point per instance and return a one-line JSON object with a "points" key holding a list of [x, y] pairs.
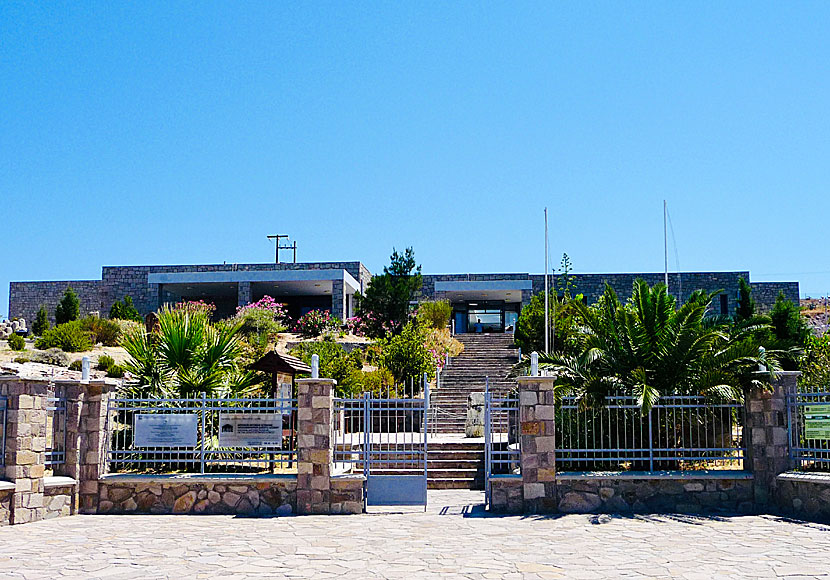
{"points": [[502, 451], [3, 406], [56, 426], [202, 435], [681, 432], [809, 430]]}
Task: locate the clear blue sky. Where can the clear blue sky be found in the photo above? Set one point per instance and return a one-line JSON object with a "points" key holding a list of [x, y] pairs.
{"points": [[133, 133]]}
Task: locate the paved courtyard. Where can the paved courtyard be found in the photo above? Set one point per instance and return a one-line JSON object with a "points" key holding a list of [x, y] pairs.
{"points": [[454, 539]]}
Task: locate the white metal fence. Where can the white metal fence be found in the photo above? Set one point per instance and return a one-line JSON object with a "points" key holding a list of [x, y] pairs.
{"points": [[681, 432], [502, 449], [56, 426], [809, 430], [3, 406], [202, 435]]}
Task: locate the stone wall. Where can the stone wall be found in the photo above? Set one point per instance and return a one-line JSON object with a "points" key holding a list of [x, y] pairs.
{"points": [[803, 495], [766, 293], [239, 495], [725, 492], [59, 497], [6, 496], [26, 298]]}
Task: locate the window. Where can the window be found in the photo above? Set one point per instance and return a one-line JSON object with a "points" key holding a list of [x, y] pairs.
{"points": [[724, 305]]}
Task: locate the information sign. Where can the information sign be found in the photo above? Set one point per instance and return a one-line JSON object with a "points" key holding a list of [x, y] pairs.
{"points": [[250, 430], [166, 430], [817, 421]]}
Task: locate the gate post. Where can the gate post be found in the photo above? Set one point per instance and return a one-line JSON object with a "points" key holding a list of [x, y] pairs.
{"points": [[767, 426], [538, 444], [314, 445]]}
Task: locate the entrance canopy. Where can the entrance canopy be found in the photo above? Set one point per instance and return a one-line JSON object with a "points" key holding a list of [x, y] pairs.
{"points": [[484, 305]]}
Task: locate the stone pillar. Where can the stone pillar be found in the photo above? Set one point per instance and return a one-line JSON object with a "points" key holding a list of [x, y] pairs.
{"points": [[314, 445], [243, 293], [26, 447], [766, 434], [338, 298], [538, 444], [86, 439]]}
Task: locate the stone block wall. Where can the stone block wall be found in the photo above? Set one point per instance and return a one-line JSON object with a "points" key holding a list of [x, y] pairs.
{"points": [[766, 293], [26, 298], [59, 499], [6, 497], [650, 493], [803, 495], [238, 495]]}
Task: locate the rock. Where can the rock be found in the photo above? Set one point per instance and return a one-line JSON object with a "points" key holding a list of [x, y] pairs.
{"points": [[104, 506], [245, 507], [579, 503], [606, 493], [201, 506], [118, 494], [284, 510], [474, 425], [230, 499], [202, 494], [214, 497], [184, 503], [129, 505], [693, 487]]}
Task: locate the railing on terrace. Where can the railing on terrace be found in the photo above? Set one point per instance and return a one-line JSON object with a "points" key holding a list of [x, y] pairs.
{"points": [[681, 432], [809, 430], [56, 427], [207, 450], [3, 405]]}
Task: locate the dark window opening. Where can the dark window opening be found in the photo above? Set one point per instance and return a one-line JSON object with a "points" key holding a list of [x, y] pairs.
{"points": [[724, 305]]}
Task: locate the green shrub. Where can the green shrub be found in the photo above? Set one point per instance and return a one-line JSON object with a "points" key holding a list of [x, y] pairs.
{"points": [[125, 310], [335, 362], [69, 337], [21, 359], [316, 322], [115, 371], [407, 356], [16, 342], [105, 361], [68, 308], [76, 365], [434, 314], [41, 323], [258, 321], [53, 356], [107, 332]]}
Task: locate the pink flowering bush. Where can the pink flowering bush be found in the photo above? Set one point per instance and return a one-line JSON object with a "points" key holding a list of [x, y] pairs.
{"points": [[262, 318], [196, 306], [316, 322], [265, 303]]}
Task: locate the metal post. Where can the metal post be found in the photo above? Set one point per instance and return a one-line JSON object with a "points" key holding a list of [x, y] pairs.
{"points": [[487, 444], [426, 430], [650, 444], [202, 438], [534, 364], [315, 366], [85, 369]]}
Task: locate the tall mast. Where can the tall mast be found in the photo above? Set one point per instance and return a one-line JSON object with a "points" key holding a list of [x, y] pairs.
{"points": [[547, 314], [665, 246]]}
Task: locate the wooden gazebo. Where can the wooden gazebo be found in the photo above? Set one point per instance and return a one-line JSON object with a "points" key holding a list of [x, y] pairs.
{"points": [[281, 367]]}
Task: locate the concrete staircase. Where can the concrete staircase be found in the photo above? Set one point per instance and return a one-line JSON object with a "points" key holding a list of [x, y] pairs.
{"points": [[485, 355]]}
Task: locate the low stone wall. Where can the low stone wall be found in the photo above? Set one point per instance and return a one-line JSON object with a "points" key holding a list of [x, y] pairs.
{"points": [[184, 494], [59, 495], [627, 492], [803, 495], [506, 494], [347, 494], [6, 495]]}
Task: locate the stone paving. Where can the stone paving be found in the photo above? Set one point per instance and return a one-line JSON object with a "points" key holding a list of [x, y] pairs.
{"points": [[454, 539]]}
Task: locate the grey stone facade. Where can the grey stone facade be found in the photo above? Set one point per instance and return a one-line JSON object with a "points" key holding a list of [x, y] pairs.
{"points": [[25, 298]]}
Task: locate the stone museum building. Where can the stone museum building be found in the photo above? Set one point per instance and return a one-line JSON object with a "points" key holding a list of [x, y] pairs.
{"points": [[493, 300]]}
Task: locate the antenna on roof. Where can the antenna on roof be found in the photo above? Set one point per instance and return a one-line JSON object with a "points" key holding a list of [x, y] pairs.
{"points": [[293, 247]]}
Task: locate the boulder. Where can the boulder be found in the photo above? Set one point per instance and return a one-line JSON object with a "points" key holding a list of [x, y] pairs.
{"points": [[579, 503], [474, 425]]}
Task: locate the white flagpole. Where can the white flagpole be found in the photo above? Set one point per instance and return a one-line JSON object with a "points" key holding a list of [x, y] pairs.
{"points": [[665, 246], [547, 314]]}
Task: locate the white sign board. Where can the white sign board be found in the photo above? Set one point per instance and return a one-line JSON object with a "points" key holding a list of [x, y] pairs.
{"points": [[166, 430], [250, 430]]}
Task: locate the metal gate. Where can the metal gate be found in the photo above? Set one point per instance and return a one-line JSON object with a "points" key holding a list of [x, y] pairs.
{"points": [[386, 439], [502, 452]]}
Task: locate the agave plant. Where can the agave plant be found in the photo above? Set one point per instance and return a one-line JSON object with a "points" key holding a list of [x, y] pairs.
{"points": [[188, 355], [648, 348]]}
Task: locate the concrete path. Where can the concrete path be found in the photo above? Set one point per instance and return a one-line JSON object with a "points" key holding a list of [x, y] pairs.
{"points": [[455, 539]]}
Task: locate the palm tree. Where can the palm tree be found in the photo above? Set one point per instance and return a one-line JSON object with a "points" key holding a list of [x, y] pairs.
{"points": [[648, 348]]}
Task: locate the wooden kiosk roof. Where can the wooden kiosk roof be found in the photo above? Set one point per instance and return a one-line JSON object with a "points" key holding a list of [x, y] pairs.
{"points": [[274, 362]]}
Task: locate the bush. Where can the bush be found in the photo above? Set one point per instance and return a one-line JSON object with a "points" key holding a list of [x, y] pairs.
{"points": [[21, 359], [105, 361], [124, 310], [76, 365], [127, 326], [434, 314], [107, 332], [69, 337], [16, 342], [41, 323], [53, 356], [335, 362], [115, 372], [68, 308], [316, 322], [407, 356], [260, 318]]}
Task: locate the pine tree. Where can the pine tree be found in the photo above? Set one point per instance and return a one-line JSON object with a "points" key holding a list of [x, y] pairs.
{"points": [[69, 308], [41, 324], [746, 304]]}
